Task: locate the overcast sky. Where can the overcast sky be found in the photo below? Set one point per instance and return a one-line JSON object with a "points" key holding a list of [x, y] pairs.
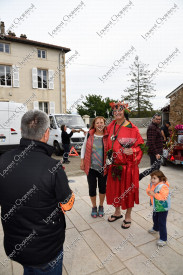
{"points": [[100, 33]]}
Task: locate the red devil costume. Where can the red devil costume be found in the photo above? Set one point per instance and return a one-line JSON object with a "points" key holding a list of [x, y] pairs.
{"points": [[123, 173]]}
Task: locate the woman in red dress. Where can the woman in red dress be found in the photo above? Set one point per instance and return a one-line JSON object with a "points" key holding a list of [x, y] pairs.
{"points": [[124, 155]]}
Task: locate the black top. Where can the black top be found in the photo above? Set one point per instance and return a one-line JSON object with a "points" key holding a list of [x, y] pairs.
{"points": [[31, 186], [165, 130], [66, 137]]}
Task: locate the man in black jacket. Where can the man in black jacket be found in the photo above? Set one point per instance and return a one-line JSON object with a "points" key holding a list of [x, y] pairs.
{"points": [[155, 146], [66, 141], [34, 191], [165, 131]]}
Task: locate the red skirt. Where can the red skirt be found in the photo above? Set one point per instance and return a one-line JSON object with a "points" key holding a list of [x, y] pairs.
{"points": [[123, 191]]}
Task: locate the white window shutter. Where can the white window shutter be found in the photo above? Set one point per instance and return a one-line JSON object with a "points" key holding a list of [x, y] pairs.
{"points": [[36, 105], [51, 79], [34, 78], [52, 107], [15, 74]]}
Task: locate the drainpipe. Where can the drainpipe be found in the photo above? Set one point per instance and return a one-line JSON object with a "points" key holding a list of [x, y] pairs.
{"points": [[60, 80]]}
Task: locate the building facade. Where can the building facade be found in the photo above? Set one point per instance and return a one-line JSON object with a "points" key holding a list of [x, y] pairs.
{"points": [[32, 73], [176, 106]]}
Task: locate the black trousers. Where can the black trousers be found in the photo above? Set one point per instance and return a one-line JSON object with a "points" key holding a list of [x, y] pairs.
{"points": [[92, 178], [66, 151], [159, 220], [155, 165]]}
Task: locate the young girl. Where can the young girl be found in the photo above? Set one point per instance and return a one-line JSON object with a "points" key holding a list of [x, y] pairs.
{"points": [[93, 156], [158, 190]]}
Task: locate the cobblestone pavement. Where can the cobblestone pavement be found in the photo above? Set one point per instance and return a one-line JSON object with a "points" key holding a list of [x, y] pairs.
{"points": [[97, 247], [73, 169]]}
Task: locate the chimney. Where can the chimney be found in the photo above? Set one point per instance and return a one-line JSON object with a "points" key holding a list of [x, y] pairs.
{"points": [[11, 33], [23, 36], [2, 28]]}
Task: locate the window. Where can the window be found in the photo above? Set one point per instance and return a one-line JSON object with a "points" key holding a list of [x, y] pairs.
{"points": [[42, 78], [70, 121], [4, 48], [41, 53], [5, 75], [43, 106]]}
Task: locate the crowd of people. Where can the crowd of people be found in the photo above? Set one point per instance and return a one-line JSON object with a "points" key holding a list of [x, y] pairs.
{"points": [[110, 156]]}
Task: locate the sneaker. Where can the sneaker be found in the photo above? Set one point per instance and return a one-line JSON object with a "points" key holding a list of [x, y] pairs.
{"points": [[152, 231], [66, 161], [161, 243]]}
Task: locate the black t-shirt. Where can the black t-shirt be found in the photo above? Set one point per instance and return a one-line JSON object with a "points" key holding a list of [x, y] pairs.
{"points": [[66, 137], [165, 130]]}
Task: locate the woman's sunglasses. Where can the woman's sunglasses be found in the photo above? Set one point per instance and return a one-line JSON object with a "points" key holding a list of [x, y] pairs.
{"points": [[118, 108]]}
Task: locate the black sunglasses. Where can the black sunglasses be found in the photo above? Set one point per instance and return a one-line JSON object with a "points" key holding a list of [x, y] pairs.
{"points": [[119, 107]]}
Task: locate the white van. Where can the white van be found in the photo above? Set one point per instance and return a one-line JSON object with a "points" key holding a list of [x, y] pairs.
{"points": [[71, 121], [10, 120]]}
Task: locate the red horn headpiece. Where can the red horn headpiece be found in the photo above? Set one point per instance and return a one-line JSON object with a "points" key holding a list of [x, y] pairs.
{"points": [[116, 105]]}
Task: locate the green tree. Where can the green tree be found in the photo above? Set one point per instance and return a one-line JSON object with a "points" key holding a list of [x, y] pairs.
{"points": [[94, 104], [108, 109], [141, 89]]}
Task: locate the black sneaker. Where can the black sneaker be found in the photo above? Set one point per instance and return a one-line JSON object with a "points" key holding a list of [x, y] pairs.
{"points": [[66, 161]]}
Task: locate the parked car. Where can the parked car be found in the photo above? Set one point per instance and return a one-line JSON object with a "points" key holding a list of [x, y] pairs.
{"points": [[10, 121], [71, 121]]}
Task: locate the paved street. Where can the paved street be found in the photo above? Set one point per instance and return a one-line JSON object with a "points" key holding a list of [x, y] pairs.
{"points": [[94, 246], [73, 169]]}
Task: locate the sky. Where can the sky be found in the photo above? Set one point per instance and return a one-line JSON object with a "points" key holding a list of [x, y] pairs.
{"points": [[104, 37]]}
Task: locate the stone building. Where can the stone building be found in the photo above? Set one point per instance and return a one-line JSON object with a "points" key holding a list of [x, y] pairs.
{"points": [[176, 106], [32, 72]]}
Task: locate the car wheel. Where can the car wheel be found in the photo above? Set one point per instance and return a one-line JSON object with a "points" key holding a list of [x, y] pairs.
{"points": [[57, 149]]}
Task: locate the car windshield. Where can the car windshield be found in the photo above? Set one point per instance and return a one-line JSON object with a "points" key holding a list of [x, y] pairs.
{"points": [[70, 121]]}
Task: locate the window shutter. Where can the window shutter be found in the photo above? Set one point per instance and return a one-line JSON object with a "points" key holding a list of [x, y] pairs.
{"points": [[15, 73], [52, 107], [36, 105], [34, 78], [51, 79]]}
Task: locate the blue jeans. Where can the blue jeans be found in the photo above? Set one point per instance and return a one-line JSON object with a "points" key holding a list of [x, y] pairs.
{"points": [[159, 220], [52, 268]]}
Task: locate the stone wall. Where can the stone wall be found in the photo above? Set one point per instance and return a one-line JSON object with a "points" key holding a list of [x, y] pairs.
{"points": [[139, 122], [176, 108]]}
